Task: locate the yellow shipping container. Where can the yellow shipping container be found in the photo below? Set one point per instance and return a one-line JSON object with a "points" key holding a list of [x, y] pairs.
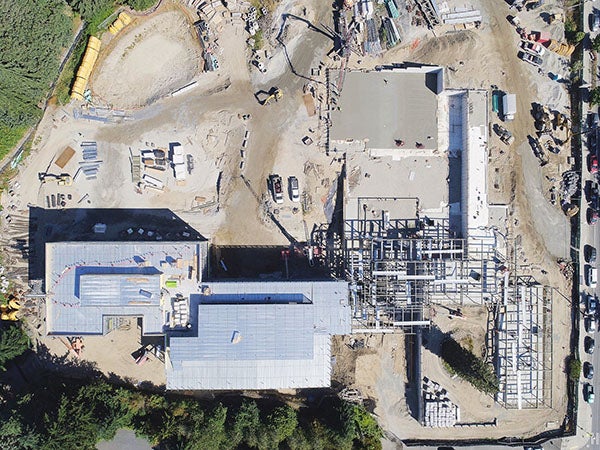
{"points": [[125, 18], [94, 43]]}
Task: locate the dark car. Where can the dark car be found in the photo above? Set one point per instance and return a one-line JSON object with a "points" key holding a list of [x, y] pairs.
{"points": [[534, 5], [593, 119], [592, 139], [588, 344], [588, 370], [589, 253], [591, 193]]}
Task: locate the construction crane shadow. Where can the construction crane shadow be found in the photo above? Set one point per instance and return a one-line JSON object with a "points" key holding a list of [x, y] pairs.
{"points": [[293, 241], [285, 51]]}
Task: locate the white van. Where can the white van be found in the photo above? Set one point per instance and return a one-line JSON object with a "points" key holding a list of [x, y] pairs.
{"points": [[592, 276]]}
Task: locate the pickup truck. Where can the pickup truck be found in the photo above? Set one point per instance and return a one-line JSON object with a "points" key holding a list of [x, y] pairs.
{"points": [[276, 188]]}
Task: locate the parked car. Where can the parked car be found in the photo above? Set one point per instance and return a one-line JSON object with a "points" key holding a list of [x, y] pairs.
{"points": [[591, 276], [588, 370], [593, 119], [592, 216], [534, 5], [588, 344], [589, 253], [593, 163], [592, 140], [533, 47], [591, 193], [588, 392], [591, 304], [594, 21], [294, 189], [590, 324], [534, 60]]}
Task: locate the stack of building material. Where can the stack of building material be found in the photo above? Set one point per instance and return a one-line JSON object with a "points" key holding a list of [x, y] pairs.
{"points": [[439, 411], [179, 162], [372, 45], [460, 16], [181, 312], [90, 164]]}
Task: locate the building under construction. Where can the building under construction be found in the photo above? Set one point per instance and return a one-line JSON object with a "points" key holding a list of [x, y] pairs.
{"points": [[418, 229]]}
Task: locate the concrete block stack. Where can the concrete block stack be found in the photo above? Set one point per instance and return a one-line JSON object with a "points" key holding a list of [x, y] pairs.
{"points": [[439, 411]]}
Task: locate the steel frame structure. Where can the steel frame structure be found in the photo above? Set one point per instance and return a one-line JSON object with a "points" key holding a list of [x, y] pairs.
{"points": [[397, 267], [523, 342]]}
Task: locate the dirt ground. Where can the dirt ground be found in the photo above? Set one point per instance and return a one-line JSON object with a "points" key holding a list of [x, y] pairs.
{"points": [[207, 121], [147, 60], [113, 354], [479, 59]]}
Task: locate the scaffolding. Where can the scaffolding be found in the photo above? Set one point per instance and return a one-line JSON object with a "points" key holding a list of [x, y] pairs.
{"points": [[523, 344]]}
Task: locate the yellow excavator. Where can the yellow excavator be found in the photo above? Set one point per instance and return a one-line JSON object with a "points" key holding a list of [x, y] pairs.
{"points": [[9, 312], [274, 94]]}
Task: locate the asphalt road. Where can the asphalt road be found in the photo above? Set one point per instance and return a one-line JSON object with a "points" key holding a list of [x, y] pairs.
{"points": [[589, 235]]}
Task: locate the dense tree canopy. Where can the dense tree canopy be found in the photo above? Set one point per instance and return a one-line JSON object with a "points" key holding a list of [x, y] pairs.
{"points": [[32, 35], [61, 414]]}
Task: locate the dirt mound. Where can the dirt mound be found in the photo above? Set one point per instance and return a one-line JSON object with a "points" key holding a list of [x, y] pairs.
{"points": [[148, 61], [447, 49]]}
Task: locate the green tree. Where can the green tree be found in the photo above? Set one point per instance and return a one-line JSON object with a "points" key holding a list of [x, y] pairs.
{"points": [[141, 5], [15, 435], [245, 426], [595, 96], [90, 8], [596, 44], [13, 342], [468, 366], [211, 433], [73, 426], [282, 422]]}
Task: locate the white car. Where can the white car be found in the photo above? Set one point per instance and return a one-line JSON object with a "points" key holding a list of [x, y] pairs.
{"points": [[533, 47], [591, 277], [294, 190]]}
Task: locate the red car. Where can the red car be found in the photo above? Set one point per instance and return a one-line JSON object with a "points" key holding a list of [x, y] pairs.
{"points": [[593, 164], [592, 216]]}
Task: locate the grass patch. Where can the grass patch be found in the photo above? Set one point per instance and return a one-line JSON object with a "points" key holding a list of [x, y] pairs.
{"points": [[460, 361], [9, 137], [258, 40]]}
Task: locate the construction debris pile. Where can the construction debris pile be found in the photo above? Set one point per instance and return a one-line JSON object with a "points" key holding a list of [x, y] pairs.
{"points": [[439, 410]]}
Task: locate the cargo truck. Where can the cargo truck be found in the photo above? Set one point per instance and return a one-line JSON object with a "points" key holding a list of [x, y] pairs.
{"points": [[509, 106]]}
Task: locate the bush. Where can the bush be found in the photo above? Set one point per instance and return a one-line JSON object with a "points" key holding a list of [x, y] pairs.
{"points": [[595, 96], [469, 367], [596, 43], [574, 368]]}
